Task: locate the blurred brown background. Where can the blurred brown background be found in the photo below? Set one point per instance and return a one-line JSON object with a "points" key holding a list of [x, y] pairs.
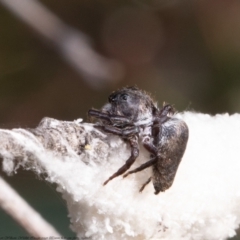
{"points": [[184, 52]]}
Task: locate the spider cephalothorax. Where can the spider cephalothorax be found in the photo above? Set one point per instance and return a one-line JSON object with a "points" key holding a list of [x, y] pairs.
{"points": [[131, 103], [132, 114]]}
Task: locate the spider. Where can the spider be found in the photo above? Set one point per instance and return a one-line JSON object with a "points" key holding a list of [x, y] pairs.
{"points": [[133, 115]]}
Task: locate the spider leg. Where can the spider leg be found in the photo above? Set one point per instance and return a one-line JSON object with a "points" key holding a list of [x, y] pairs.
{"points": [[98, 114], [123, 132], [163, 114], [134, 154], [166, 109], [145, 184], [142, 167], [149, 146], [111, 118], [153, 150]]}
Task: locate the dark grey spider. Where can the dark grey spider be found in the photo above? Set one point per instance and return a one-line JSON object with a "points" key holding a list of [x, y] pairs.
{"points": [[132, 114]]}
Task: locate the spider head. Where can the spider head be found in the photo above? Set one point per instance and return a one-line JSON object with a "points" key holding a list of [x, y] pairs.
{"points": [[131, 103]]}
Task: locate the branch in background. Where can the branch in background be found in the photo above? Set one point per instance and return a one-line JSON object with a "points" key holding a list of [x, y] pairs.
{"points": [[24, 214], [74, 46], [203, 202]]}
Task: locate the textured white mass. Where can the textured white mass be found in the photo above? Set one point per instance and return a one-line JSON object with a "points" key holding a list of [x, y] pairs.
{"points": [[203, 203]]}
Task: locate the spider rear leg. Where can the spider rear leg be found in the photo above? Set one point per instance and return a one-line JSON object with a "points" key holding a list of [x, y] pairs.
{"points": [[145, 184], [154, 158], [142, 167]]}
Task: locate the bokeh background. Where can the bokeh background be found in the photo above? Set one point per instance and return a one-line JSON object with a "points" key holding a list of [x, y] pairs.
{"points": [[185, 52]]}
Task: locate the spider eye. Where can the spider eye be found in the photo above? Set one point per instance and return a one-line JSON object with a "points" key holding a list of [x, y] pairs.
{"points": [[112, 98], [124, 97]]}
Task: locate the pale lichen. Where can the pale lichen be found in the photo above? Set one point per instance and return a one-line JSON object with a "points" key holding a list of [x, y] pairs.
{"points": [[203, 202]]}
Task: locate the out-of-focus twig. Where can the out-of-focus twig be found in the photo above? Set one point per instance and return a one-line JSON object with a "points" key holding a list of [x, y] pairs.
{"points": [[74, 46], [24, 214]]}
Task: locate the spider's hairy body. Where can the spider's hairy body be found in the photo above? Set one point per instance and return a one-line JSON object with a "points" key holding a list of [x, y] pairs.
{"points": [[134, 116]]}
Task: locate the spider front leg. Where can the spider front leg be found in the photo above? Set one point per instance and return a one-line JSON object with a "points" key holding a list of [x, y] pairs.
{"points": [[115, 120], [134, 154], [122, 132]]}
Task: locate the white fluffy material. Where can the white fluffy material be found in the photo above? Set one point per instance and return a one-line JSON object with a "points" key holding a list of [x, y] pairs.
{"points": [[203, 203]]}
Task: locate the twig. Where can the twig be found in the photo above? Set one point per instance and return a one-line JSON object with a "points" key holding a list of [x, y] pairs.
{"points": [[23, 213], [74, 46]]}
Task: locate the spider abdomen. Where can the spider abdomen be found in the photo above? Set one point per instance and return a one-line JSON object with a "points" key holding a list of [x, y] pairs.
{"points": [[171, 148]]}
